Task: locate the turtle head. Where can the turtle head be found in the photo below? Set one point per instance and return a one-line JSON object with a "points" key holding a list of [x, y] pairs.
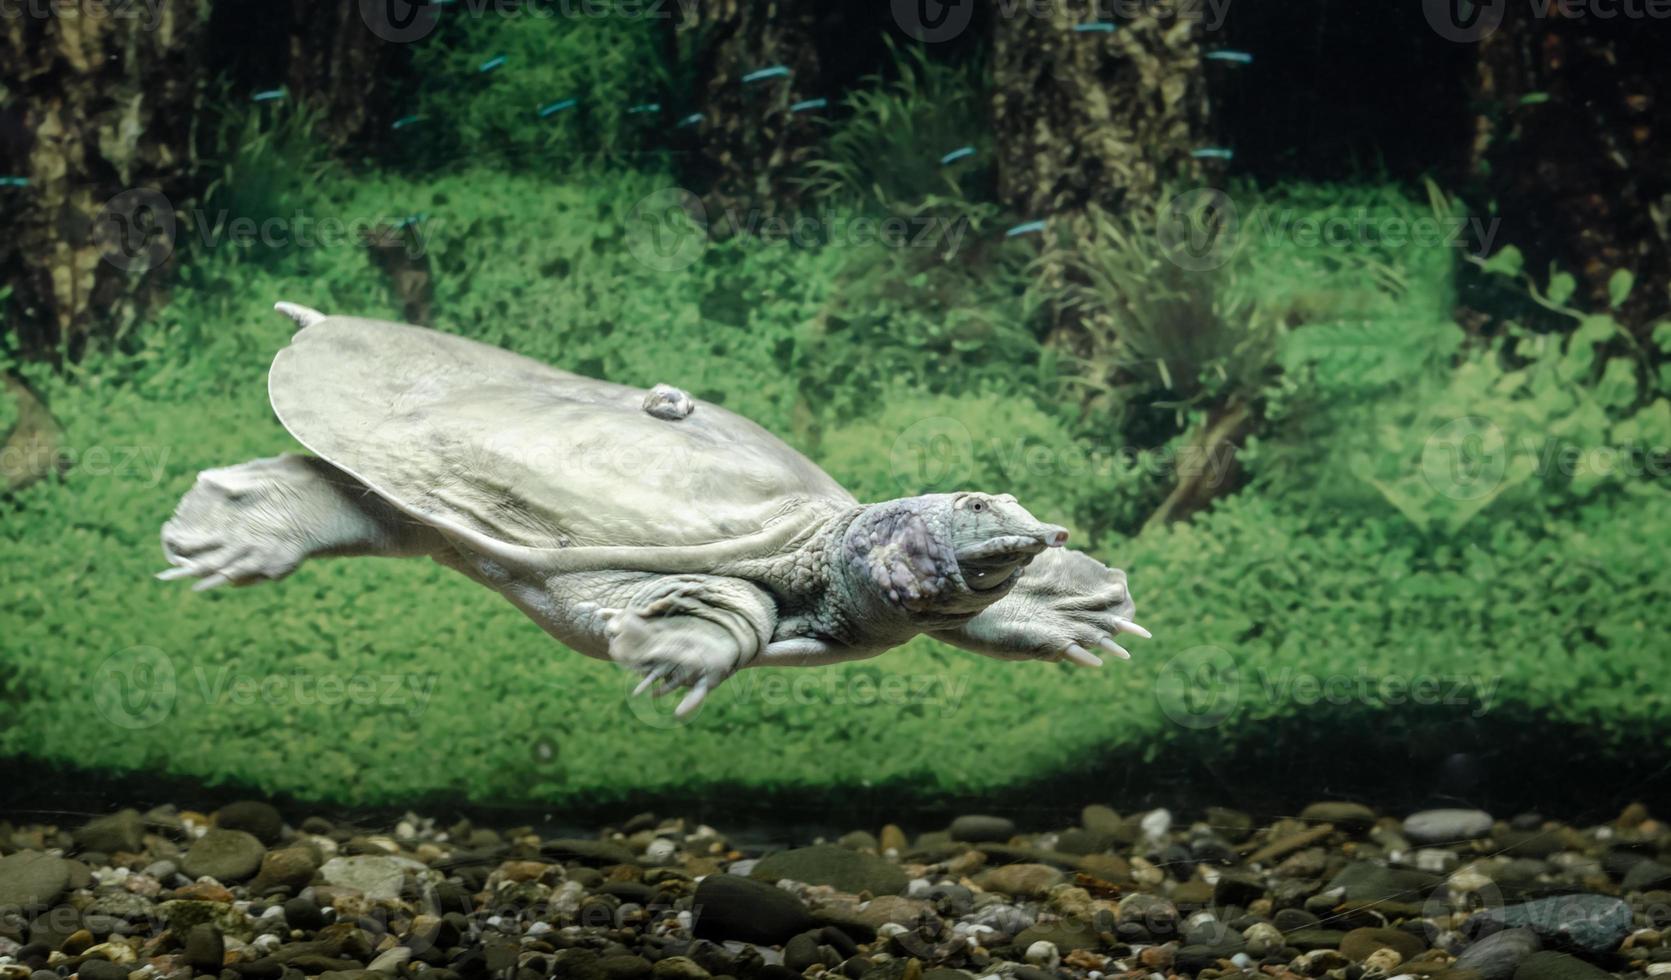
{"points": [[943, 556], [994, 537]]}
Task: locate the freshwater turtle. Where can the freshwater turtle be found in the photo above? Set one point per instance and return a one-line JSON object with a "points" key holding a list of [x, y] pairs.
{"points": [[652, 529]]}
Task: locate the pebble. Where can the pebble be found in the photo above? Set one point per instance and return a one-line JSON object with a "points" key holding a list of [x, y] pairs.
{"points": [[733, 907], [32, 880], [1551, 965], [376, 876], [224, 855], [839, 867], [1448, 826], [1353, 818], [977, 828], [1589, 924], [1497, 956]]}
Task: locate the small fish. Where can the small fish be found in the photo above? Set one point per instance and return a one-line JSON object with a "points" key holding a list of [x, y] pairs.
{"points": [[552, 108], [14, 181], [1095, 27], [1236, 57], [646, 107], [689, 120], [270, 95], [806, 104], [403, 122], [491, 63], [1025, 229], [776, 71], [1212, 153], [957, 154]]}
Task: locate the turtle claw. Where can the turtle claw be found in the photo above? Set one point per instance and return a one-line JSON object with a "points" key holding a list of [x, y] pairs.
{"points": [[175, 574], [1127, 626], [1107, 643], [1081, 656], [210, 582], [654, 675], [693, 700]]}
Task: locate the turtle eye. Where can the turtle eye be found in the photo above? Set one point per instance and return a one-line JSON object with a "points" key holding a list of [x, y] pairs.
{"points": [[977, 506]]}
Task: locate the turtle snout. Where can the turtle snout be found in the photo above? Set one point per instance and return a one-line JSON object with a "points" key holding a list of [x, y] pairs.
{"points": [[1054, 536]]}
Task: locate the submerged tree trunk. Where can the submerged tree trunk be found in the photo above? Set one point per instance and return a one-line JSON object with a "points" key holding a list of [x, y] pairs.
{"points": [[349, 61], [96, 108], [744, 137], [1090, 112], [1573, 151]]}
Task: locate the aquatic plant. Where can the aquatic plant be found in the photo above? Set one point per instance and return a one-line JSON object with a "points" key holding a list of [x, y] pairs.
{"points": [[557, 94], [915, 141], [265, 162]]}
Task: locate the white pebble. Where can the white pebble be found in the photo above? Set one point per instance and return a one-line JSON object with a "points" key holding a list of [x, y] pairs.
{"points": [[888, 930], [1156, 823], [1658, 969], [917, 888], [1043, 953], [660, 851]]}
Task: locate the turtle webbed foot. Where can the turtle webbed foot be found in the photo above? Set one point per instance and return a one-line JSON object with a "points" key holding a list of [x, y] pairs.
{"points": [[1065, 605], [689, 632]]}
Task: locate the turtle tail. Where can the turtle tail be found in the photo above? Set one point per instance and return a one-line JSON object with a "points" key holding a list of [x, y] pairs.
{"points": [[304, 316]]}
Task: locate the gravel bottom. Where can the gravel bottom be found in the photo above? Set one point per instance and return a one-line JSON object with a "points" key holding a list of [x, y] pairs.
{"points": [[1337, 891]]}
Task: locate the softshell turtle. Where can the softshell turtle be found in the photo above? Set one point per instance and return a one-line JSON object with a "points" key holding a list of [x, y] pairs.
{"points": [[649, 528]]}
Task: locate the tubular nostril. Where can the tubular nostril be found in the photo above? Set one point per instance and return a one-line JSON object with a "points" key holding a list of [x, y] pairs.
{"points": [[1056, 539]]}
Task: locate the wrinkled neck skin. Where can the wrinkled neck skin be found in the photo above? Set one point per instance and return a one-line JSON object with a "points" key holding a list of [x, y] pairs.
{"points": [[894, 573]]}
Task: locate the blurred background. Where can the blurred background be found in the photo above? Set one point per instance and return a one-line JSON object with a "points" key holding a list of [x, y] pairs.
{"points": [[1342, 328]]}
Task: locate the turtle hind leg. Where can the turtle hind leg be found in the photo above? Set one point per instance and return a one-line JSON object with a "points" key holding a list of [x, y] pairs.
{"points": [[259, 520]]}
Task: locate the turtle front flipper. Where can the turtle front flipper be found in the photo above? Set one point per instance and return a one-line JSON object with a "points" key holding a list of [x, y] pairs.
{"points": [[1065, 604], [690, 631]]}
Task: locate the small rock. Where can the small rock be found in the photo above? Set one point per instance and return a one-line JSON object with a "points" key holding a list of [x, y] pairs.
{"points": [[1353, 818], [290, 867], [224, 855], [733, 907], [1060, 934], [260, 820], [101, 970], [839, 867], [205, 949], [1550, 965], [1021, 880], [1448, 826], [1358, 944], [120, 831], [1497, 956], [1589, 924], [1042, 954], [31, 880], [977, 829], [377, 876]]}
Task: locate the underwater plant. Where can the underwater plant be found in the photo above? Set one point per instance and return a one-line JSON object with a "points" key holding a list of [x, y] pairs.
{"points": [[914, 141], [265, 162]]}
